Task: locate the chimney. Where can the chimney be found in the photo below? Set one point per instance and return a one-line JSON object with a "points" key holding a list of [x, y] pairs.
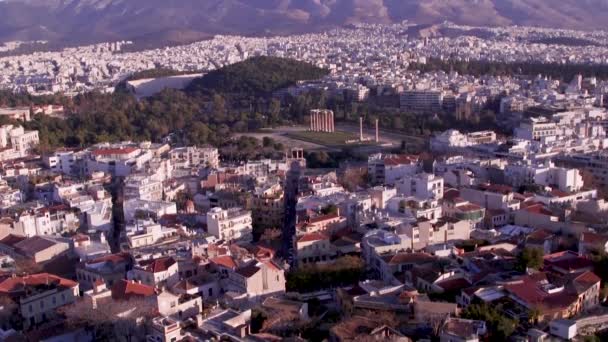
{"points": [[361, 128]]}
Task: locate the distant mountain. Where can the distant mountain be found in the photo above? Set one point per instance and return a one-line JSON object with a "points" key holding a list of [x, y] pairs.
{"points": [[73, 21]]}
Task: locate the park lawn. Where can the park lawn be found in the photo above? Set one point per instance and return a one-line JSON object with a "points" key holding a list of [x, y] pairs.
{"points": [[337, 138]]}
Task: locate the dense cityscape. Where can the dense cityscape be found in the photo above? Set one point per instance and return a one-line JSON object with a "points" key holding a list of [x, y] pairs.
{"points": [[367, 183]]}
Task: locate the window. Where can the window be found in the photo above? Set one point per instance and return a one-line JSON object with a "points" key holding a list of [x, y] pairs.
{"points": [[54, 300]]}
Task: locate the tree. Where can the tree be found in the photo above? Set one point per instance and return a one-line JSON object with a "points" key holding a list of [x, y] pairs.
{"points": [[115, 321], [274, 112], [330, 210], [530, 258], [267, 142], [8, 309], [499, 325]]}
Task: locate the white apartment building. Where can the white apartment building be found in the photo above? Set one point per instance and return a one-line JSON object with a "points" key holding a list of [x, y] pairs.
{"points": [[46, 221], [17, 141], [147, 233], [117, 160], [187, 157], [536, 129], [230, 224], [422, 186], [153, 209], [565, 179], [426, 233], [388, 168], [144, 187]]}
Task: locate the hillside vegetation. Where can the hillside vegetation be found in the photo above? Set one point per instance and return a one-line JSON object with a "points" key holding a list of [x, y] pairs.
{"points": [[257, 76]]}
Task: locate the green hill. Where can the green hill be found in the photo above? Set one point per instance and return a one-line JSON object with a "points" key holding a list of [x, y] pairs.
{"points": [[257, 76]]}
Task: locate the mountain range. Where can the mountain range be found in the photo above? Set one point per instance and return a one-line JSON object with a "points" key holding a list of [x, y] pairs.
{"points": [[78, 21]]}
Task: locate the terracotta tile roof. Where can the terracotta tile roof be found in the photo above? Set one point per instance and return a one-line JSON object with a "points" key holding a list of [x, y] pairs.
{"points": [[159, 265], [322, 218], [571, 264], [594, 238], [310, 237], [469, 207], [17, 284], [401, 160], [538, 209], [125, 289], [11, 240], [451, 194], [225, 261], [407, 258], [559, 193], [35, 244], [113, 258], [454, 284], [498, 188], [586, 280]]}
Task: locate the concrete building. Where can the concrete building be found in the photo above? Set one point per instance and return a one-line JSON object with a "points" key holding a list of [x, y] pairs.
{"points": [[268, 206], [231, 224], [422, 100], [422, 186], [39, 295], [189, 157]]}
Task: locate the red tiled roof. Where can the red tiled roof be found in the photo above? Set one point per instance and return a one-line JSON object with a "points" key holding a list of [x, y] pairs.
{"points": [[11, 240], [401, 160], [322, 218], [225, 261], [559, 193], [594, 238], [113, 258], [316, 236], [540, 235], [125, 289], [499, 188], [469, 207], [587, 279], [15, 284], [454, 284], [159, 265], [81, 238], [402, 258], [451, 194], [538, 209]]}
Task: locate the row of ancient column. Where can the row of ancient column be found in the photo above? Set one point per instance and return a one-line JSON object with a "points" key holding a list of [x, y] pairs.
{"points": [[322, 120]]}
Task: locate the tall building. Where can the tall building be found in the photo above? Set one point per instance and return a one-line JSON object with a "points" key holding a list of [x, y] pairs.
{"points": [[231, 224]]}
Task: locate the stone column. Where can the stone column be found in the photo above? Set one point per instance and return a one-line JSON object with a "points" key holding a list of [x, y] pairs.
{"points": [[361, 128], [333, 121], [377, 132]]}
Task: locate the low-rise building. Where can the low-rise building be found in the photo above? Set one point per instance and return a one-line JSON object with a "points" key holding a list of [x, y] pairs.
{"points": [[39, 295]]}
